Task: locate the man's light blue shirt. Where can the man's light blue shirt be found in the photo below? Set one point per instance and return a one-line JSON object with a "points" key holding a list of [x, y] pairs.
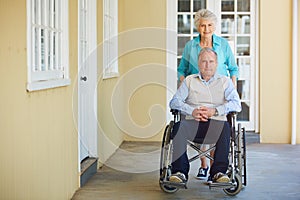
{"points": [[226, 61], [233, 102]]}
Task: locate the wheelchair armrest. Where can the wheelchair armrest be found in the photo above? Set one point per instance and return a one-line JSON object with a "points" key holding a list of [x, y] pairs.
{"points": [[231, 117], [174, 111], [232, 113], [176, 114]]}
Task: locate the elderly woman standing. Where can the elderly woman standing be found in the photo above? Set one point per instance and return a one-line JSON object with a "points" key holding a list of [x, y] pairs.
{"points": [[205, 22]]}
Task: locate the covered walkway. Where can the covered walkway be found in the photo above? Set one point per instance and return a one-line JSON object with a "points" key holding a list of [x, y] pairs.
{"points": [[273, 173]]}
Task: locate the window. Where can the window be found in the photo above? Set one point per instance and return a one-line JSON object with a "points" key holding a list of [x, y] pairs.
{"points": [[238, 27], [110, 40], [83, 32], [47, 44], [185, 22]]}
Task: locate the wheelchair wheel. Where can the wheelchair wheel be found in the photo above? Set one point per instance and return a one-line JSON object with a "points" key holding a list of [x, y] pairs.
{"points": [[240, 146], [242, 155], [164, 187], [244, 158], [164, 147], [235, 189], [165, 160]]}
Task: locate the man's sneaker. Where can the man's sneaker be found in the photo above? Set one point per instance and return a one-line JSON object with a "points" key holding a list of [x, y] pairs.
{"points": [[209, 180], [202, 174], [220, 178], [177, 178]]}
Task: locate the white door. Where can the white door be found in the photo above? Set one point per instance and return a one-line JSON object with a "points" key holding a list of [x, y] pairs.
{"points": [[87, 79]]}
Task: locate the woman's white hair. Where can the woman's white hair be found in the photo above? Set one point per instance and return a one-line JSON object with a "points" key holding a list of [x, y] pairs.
{"points": [[204, 14]]}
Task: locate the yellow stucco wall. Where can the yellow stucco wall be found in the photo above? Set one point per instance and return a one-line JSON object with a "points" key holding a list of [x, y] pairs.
{"points": [[109, 135], [143, 58], [38, 145], [276, 72]]}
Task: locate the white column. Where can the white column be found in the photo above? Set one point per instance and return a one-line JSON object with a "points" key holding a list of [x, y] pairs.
{"points": [[294, 74]]}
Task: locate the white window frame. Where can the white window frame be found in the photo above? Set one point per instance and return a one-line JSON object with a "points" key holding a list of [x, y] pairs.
{"points": [[53, 69], [110, 39]]}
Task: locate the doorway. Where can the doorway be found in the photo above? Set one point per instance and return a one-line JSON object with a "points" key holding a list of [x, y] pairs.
{"points": [[87, 81]]}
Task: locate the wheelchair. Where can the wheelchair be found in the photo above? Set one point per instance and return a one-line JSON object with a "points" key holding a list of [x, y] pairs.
{"points": [[237, 158]]}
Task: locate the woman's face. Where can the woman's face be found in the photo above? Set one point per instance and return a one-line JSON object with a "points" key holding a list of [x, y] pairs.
{"points": [[206, 28]]}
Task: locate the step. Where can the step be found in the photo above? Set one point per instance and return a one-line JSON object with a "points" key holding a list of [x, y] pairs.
{"points": [[88, 169]]}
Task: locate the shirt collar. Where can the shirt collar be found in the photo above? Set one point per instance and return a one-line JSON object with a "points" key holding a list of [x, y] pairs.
{"points": [[215, 77], [216, 40]]}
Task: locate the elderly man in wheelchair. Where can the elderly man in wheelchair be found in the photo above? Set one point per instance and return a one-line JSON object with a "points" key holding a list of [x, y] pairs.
{"points": [[203, 100]]}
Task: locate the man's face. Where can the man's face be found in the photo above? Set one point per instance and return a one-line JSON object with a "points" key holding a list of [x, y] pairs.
{"points": [[207, 64]]}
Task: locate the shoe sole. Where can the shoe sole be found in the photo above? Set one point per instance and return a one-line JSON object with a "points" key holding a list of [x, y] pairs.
{"points": [[208, 182], [200, 178], [175, 179], [223, 180]]}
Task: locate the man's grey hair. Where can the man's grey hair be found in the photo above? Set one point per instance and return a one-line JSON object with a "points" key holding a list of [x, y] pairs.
{"points": [[205, 50], [205, 14]]}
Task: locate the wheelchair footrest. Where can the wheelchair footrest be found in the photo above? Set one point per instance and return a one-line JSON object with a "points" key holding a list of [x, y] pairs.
{"points": [[173, 184], [221, 185]]}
